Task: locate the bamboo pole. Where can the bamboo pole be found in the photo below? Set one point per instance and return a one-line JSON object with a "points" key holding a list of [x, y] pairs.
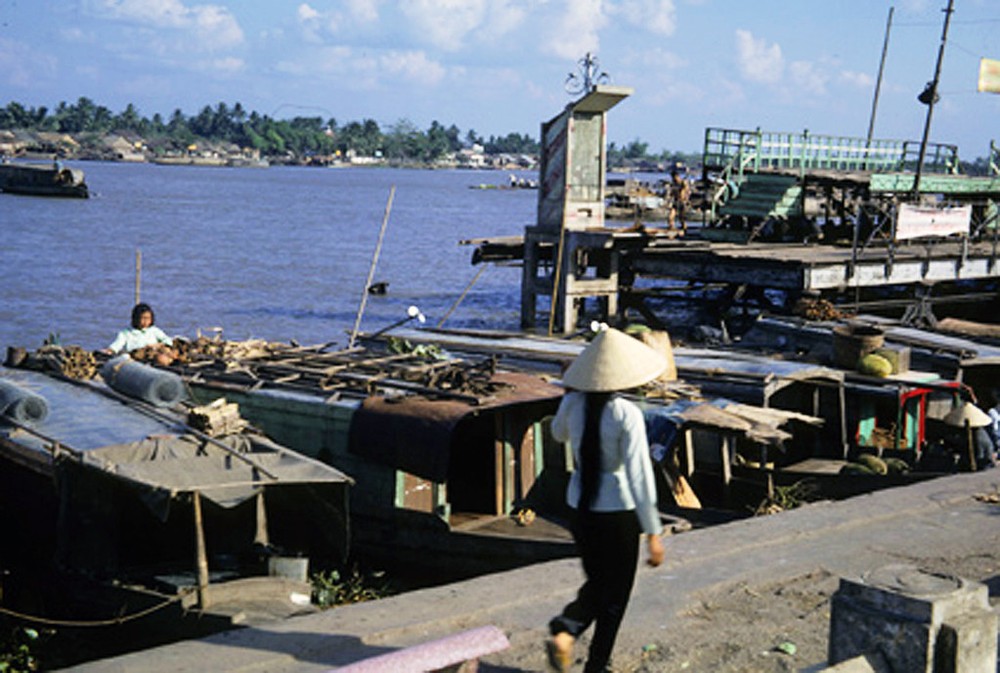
{"points": [[200, 551], [371, 269], [462, 296], [138, 274], [555, 282]]}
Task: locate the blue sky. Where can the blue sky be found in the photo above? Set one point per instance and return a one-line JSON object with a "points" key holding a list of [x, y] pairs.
{"points": [[497, 66]]}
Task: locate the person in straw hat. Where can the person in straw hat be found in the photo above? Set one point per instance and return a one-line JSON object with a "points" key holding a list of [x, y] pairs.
{"points": [[982, 450], [612, 490]]}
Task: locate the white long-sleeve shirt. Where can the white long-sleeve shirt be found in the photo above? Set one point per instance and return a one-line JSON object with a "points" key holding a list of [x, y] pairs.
{"points": [[626, 475], [134, 338]]}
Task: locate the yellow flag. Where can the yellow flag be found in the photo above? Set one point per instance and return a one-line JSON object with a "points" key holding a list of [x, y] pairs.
{"points": [[989, 75]]}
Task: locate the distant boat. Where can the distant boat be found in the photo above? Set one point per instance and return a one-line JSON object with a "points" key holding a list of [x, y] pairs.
{"points": [[42, 179]]}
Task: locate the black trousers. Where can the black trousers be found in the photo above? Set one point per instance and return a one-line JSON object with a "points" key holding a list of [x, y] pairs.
{"points": [[608, 543]]}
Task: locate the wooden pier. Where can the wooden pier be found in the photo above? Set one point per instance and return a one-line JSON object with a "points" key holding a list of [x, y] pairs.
{"points": [[805, 215]]}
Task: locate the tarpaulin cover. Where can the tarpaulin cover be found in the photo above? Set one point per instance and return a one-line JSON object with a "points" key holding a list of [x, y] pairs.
{"points": [[415, 434], [156, 386], [161, 466], [22, 405]]}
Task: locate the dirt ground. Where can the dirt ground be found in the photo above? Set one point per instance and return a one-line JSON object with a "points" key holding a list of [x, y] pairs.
{"points": [[779, 627]]}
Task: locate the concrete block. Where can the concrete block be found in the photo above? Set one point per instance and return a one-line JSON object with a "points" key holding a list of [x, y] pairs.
{"points": [[967, 643], [899, 611], [864, 663]]}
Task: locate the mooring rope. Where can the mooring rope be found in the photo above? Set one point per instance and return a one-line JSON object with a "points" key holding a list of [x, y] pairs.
{"points": [[99, 622]]}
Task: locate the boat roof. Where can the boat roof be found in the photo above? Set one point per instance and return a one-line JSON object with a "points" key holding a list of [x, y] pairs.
{"points": [[87, 425], [80, 417]]}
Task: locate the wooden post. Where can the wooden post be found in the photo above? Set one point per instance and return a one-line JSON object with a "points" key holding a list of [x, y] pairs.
{"points": [[138, 274], [970, 445], [202, 554], [261, 536]]}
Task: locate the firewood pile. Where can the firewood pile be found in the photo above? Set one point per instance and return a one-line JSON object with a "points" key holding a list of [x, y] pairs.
{"points": [[70, 361]]}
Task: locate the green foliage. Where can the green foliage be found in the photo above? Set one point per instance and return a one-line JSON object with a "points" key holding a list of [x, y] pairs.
{"points": [[789, 497], [330, 588], [402, 346], [300, 136], [16, 654]]}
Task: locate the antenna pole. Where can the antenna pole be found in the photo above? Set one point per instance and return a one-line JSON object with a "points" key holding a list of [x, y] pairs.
{"points": [[878, 82], [930, 100]]}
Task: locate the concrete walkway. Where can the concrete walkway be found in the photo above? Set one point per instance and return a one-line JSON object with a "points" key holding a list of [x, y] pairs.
{"points": [[931, 521]]}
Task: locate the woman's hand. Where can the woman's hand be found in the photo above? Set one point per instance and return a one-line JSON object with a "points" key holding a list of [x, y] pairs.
{"points": [[655, 548]]}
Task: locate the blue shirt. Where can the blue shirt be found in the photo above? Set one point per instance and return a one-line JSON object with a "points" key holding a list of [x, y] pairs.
{"points": [[626, 477]]}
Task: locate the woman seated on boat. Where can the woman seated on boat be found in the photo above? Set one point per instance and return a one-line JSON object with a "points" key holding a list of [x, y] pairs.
{"points": [[144, 340]]}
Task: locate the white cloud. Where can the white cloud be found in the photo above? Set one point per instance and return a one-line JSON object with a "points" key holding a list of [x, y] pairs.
{"points": [[307, 13], [444, 23], [861, 80], [758, 60], [412, 65], [503, 17], [576, 31], [807, 78], [364, 10], [368, 69], [655, 16], [211, 26]]}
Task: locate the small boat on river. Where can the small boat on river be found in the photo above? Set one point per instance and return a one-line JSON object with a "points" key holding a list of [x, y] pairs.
{"points": [[42, 179]]}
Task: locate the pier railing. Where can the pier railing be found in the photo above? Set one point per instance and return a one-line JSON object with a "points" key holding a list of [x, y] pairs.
{"points": [[735, 152]]}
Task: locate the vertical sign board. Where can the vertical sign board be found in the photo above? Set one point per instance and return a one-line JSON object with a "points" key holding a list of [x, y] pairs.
{"points": [[919, 221], [552, 172], [572, 172]]}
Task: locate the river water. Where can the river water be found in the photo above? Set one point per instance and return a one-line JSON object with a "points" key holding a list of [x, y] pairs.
{"points": [[281, 253]]}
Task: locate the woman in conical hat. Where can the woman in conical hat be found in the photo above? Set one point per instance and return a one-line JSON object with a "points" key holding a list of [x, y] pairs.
{"points": [[612, 489], [983, 450]]}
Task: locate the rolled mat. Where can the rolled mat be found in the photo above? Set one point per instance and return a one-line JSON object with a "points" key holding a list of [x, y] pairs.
{"points": [[135, 379], [22, 405]]}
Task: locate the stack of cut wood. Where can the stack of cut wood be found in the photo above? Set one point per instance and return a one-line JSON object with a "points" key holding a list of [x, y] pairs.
{"points": [[71, 361], [217, 419]]}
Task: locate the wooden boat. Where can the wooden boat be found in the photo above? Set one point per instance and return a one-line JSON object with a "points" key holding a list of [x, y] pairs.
{"points": [[461, 476], [454, 473], [38, 179], [833, 415], [121, 499]]}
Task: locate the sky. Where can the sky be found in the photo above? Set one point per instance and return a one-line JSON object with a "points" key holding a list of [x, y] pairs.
{"points": [[500, 66]]}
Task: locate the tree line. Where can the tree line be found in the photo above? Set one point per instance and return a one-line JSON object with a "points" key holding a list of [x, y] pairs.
{"points": [[300, 136]]}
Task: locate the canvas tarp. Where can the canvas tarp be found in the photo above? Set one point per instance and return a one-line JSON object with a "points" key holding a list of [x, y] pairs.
{"points": [[162, 466]]}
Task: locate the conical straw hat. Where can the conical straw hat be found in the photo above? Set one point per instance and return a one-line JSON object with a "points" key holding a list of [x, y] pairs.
{"points": [[967, 412], [613, 361]]}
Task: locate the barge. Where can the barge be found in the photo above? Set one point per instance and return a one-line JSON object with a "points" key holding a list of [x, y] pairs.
{"points": [[42, 179]]}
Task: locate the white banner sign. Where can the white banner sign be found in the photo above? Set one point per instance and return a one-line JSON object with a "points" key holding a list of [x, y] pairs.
{"points": [[919, 221]]}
